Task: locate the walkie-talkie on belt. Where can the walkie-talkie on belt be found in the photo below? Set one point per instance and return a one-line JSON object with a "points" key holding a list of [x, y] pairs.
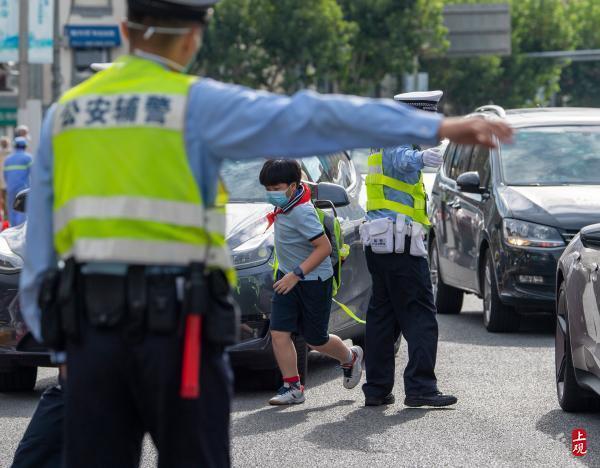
{"points": [[196, 303]]}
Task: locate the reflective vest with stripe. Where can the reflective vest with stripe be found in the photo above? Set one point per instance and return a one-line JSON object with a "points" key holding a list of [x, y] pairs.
{"points": [[376, 181], [123, 188]]}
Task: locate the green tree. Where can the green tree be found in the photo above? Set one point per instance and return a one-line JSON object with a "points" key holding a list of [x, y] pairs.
{"points": [[391, 34], [277, 44], [579, 81], [517, 80]]}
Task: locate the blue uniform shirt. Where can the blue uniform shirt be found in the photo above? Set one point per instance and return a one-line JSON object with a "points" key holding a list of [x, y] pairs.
{"points": [[228, 121], [17, 167], [294, 232], [402, 163]]}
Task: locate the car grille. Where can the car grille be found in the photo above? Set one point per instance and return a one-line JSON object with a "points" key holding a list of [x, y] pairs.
{"points": [[569, 235]]}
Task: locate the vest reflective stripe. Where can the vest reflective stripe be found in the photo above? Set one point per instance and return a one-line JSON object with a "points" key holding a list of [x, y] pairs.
{"points": [[144, 252], [376, 199], [124, 191], [169, 212], [16, 167]]}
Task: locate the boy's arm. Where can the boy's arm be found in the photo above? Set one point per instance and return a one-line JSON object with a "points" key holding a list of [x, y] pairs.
{"points": [[319, 254]]}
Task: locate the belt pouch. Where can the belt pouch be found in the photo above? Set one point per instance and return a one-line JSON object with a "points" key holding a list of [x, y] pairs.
{"points": [[417, 243], [105, 299], [401, 229], [381, 234], [163, 306], [51, 324], [68, 300], [223, 321], [136, 302]]}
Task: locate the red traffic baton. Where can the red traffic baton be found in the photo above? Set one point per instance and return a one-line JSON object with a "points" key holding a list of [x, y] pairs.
{"points": [[196, 303]]}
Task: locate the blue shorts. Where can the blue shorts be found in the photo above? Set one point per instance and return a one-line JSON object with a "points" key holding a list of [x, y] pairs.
{"points": [[304, 310]]}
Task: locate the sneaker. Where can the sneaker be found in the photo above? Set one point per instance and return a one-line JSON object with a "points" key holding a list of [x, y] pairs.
{"points": [[353, 371], [288, 395], [437, 399]]}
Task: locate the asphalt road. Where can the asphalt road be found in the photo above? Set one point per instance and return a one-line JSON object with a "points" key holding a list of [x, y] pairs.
{"points": [[507, 413]]}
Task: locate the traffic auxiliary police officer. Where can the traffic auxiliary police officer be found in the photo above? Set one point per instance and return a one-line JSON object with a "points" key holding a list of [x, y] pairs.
{"points": [[402, 300], [126, 201]]}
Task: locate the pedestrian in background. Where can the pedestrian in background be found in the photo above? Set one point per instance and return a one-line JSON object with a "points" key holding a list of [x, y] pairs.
{"points": [[17, 168], [5, 150], [23, 131]]}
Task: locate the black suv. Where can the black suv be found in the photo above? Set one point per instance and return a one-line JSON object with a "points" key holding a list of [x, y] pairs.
{"points": [[502, 218]]}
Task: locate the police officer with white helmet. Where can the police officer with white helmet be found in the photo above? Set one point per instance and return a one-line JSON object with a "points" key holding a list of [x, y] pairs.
{"points": [[402, 299], [137, 222]]}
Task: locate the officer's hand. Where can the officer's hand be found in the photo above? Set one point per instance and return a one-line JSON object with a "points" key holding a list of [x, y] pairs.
{"points": [[433, 157], [475, 131], [286, 284]]}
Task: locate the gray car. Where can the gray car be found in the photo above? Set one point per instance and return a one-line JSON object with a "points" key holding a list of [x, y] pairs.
{"points": [[251, 244], [577, 342]]}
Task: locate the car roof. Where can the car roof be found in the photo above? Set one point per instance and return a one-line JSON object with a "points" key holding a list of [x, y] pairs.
{"points": [[548, 116]]}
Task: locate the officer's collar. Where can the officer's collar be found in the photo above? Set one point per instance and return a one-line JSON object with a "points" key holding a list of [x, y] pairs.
{"points": [[168, 64]]}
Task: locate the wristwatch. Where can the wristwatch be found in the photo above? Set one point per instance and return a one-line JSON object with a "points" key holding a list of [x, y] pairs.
{"points": [[298, 272]]}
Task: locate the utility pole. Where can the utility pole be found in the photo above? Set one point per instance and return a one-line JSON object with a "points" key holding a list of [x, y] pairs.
{"points": [[23, 54], [56, 76]]}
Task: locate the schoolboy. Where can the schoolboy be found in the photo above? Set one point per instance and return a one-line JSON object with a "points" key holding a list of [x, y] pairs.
{"points": [[304, 282]]}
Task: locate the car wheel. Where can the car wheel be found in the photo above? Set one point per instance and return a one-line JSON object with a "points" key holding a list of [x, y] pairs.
{"points": [[448, 300], [571, 397], [21, 379], [497, 317]]}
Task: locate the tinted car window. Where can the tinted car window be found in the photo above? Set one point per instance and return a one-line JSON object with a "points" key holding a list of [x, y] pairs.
{"points": [[461, 161], [480, 163], [552, 156], [448, 156]]}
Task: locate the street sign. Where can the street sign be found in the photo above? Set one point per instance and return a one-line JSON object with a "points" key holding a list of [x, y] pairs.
{"points": [[8, 116], [84, 36], [41, 33], [474, 30]]}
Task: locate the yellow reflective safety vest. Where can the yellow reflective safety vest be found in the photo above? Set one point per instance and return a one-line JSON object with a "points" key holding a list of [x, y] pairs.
{"points": [[123, 188], [376, 181]]}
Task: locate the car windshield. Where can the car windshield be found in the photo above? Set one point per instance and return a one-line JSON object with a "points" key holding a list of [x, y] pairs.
{"points": [[241, 178], [552, 156]]}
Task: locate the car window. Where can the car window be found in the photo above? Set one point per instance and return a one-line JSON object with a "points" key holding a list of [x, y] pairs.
{"points": [[448, 157], [460, 163], [338, 169], [480, 163], [552, 156]]}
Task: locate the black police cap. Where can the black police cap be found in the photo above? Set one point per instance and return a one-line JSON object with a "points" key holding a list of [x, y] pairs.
{"points": [[177, 9]]}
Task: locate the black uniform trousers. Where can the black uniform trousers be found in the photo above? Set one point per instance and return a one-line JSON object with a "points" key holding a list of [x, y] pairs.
{"points": [[42, 444], [402, 301], [118, 390]]}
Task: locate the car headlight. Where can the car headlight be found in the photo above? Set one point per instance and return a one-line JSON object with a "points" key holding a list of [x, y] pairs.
{"points": [[254, 252], [10, 262], [519, 233]]}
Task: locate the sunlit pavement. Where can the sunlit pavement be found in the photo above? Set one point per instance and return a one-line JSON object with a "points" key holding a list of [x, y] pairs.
{"points": [[507, 413]]}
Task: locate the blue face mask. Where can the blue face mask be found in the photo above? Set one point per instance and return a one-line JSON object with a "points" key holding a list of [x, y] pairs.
{"points": [[278, 198]]}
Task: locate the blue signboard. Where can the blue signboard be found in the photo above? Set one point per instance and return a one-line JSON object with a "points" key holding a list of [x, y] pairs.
{"points": [[93, 36]]}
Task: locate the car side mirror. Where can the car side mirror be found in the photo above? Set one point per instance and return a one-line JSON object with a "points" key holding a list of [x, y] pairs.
{"points": [[590, 236], [330, 195], [21, 201], [469, 182]]}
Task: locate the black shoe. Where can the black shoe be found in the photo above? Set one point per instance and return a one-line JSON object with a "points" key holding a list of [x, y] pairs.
{"points": [[436, 399], [376, 401]]}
